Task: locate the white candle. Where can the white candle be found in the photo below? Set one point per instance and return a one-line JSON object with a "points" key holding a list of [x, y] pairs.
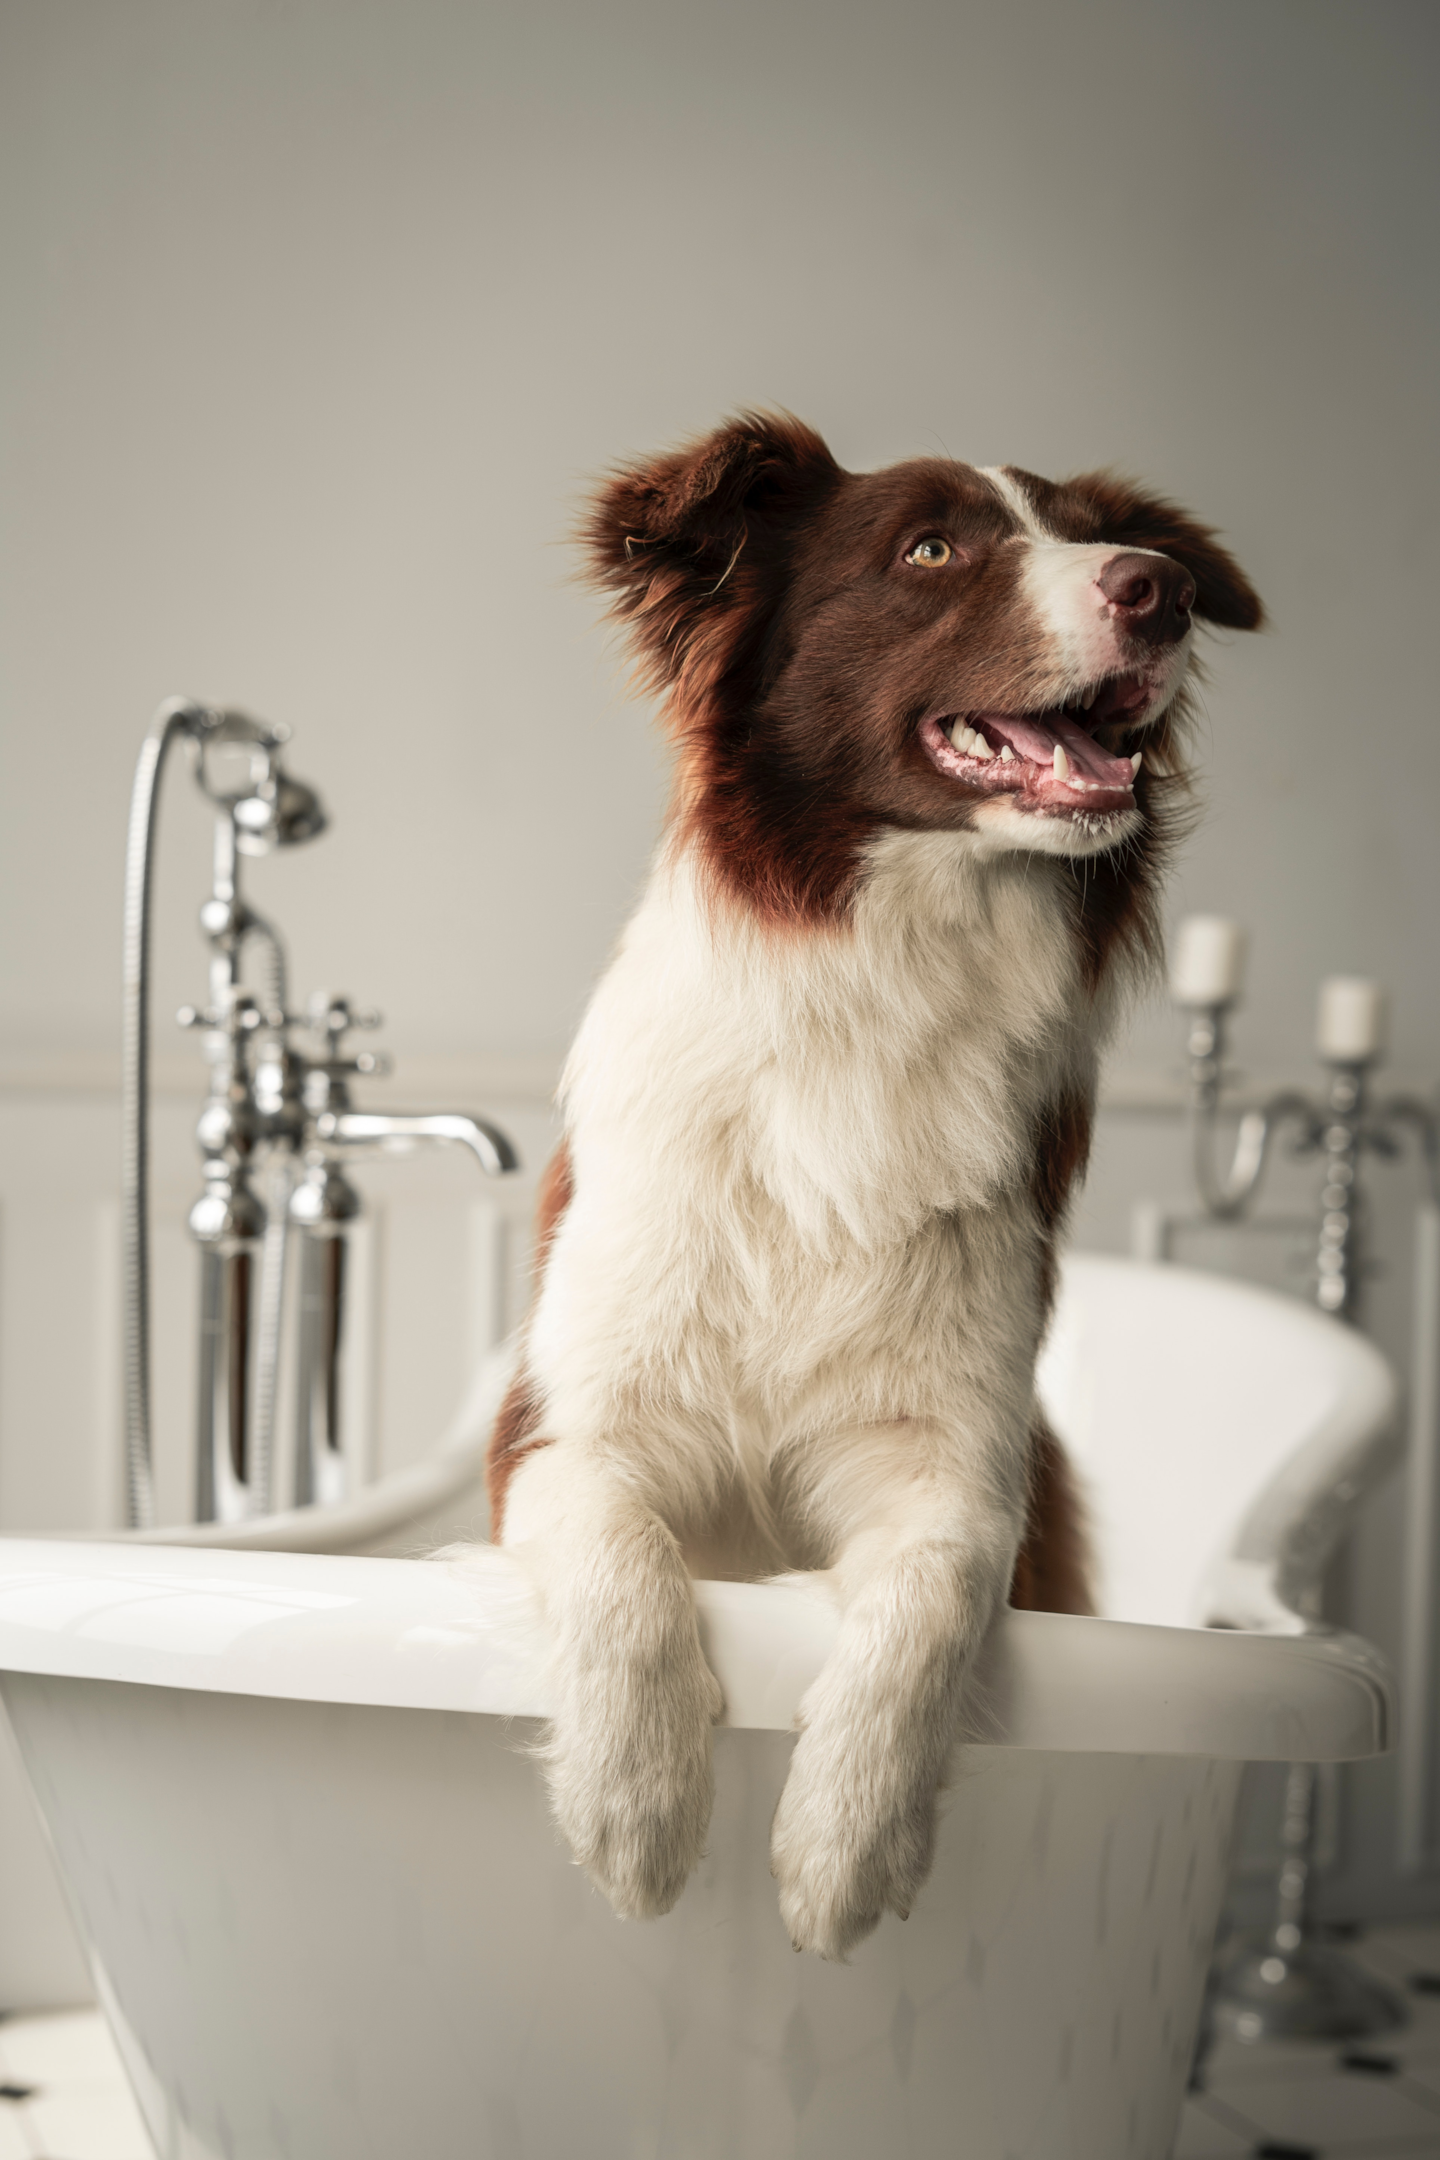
{"points": [[1207, 966], [1352, 1019]]}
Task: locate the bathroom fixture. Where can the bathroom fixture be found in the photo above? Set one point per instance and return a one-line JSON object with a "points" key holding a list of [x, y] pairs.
{"points": [[1284, 1981], [275, 1134], [1340, 1127], [327, 1913]]}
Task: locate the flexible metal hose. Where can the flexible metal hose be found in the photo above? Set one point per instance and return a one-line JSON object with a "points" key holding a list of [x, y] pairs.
{"points": [[275, 979], [178, 716]]}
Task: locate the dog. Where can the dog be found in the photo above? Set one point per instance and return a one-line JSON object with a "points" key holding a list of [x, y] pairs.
{"points": [[825, 1112]]}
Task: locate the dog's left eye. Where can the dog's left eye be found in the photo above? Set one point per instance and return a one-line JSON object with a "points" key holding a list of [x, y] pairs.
{"points": [[930, 554]]}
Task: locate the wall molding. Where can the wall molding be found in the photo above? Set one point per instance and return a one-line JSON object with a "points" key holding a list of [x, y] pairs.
{"points": [[462, 1078], [508, 1076]]}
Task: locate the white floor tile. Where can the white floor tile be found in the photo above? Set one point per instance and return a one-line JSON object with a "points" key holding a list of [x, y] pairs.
{"points": [[68, 2047], [90, 2126], [1201, 2137], [1414, 1949], [1234, 2061], [1330, 2112], [1417, 2051], [14, 2145], [1422, 2035], [1407, 2151], [81, 2106], [1424, 2071]]}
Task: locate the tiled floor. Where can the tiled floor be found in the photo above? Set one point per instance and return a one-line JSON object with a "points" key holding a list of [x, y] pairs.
{"points": [[63, 2094], [1302, 2101]]}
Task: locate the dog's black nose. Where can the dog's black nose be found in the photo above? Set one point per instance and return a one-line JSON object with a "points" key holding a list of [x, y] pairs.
{"points": [[1151, 596]]}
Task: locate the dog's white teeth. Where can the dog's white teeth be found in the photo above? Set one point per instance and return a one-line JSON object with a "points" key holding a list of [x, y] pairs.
{"points": [[1087, 702], [1007, 755], [1136, 760], [1061, 762], [980, 747]]}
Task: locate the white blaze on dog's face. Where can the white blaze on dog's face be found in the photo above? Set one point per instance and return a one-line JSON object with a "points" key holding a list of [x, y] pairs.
{"points": [[1113, 634], [931, 647]]}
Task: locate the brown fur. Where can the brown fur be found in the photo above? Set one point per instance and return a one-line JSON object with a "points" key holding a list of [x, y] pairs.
{"points": [[1062, 1149], [515, 1436], [1053, 1566]]}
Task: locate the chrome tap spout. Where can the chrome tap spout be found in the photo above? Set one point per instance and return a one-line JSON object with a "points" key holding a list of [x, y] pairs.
{"points": [[325, 1209], [396, 1131]]}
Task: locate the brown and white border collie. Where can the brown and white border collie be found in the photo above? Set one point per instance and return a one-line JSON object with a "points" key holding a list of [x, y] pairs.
{"points": [[824, 1113]]}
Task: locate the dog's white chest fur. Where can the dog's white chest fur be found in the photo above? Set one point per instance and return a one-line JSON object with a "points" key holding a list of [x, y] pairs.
{"points": [[802, 1161]]}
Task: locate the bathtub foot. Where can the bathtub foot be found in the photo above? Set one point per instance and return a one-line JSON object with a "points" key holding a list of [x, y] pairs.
{"points": [[1316, 1992], [1283, 1983]]}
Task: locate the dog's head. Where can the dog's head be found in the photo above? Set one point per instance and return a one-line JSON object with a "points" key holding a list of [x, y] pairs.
{"points": [[932, 646]]}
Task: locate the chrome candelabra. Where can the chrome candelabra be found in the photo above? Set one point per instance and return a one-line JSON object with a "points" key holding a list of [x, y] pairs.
{"points": [[1284, 1981], [1340, 1127]]}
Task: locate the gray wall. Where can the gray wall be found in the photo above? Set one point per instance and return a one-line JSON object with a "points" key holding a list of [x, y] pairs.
{"points": [[319, 313]]}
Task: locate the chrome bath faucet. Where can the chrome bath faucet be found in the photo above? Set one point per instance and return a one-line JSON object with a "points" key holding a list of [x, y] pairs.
{"points": [[275, 1131]]}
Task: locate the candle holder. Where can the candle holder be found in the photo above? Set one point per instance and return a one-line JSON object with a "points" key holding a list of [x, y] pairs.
{"points": [[1284, 1982], [1341, 1126]]}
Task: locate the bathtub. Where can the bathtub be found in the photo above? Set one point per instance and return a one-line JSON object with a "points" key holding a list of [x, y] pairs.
{"points": [[308, 1851]]}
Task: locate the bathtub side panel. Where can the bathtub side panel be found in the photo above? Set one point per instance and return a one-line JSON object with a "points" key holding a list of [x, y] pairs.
{"points": [[336, 1933], [42, 1966]]}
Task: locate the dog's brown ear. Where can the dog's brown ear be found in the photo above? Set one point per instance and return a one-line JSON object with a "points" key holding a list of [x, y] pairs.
{"points": [[1132, 517], [678, 542]]}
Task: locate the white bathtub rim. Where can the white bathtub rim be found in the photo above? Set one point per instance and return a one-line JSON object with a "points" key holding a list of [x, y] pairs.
{"points": [[467, 1636]]}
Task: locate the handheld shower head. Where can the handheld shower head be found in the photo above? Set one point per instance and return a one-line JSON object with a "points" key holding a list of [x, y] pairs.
{"points": [[299, 812], [238, 767], [280, 813]]}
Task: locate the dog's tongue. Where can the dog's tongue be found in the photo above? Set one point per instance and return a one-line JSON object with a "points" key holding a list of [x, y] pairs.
{"points": [[1034, 736]]}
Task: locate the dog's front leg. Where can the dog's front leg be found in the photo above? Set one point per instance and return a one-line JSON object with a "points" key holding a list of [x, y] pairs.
{"points": [[628, 1757], [855, 1828]]}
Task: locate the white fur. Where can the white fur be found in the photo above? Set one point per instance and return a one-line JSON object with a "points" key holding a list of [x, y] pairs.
{"points": [[1076, 620], [1016, 501], [790, 1320], [1061, 581], [1081, 832]]}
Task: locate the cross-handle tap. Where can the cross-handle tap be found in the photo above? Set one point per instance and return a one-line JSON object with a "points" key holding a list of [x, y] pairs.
{"points": [[333, 1122]]}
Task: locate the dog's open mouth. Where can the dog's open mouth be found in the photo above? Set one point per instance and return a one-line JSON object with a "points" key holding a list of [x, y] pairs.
{"points": [[1050, 760]]}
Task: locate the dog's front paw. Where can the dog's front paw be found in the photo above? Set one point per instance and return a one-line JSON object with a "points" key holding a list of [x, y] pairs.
{"points": [[846, 1848], [632, 1786]]}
